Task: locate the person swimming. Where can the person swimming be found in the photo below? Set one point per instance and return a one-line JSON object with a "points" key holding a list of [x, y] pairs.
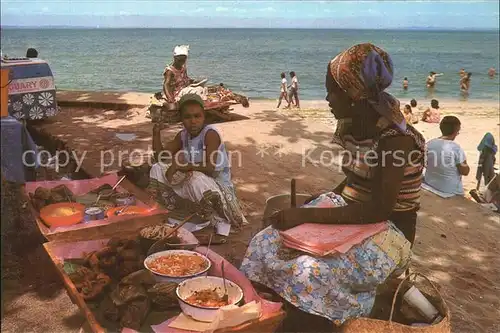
{"points": [[405, 83]]}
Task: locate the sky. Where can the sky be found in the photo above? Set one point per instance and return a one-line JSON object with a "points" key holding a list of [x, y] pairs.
{"points": [[253, 14]]}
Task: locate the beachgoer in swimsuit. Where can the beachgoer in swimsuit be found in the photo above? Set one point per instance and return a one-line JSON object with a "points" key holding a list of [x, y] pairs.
{"points": [[491, 72], [405, 83], [431, 79], [465, 84], [409, 116], [432, 114], [462, 73]]}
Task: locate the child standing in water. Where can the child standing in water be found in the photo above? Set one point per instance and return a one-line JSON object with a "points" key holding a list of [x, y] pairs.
{"points": [[283, 89], [405, 83]]}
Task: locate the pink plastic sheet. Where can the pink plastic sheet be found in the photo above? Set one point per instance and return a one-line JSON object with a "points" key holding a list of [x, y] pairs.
{"points": [[80, 187], [75, 250], [325, 239]]}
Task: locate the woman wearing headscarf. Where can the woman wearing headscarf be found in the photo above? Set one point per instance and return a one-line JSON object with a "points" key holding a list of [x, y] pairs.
{"points": [[487, 149], [383, 185]]}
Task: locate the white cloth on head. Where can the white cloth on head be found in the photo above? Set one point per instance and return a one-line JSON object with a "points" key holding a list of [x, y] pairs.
{"points": [[181, 50]]}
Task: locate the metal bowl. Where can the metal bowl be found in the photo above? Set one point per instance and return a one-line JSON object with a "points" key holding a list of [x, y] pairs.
{"points": [[177, 279], [203, 313]]}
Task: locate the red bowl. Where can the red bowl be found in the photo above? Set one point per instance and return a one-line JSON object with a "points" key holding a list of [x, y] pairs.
{"points": [[50, 216]]}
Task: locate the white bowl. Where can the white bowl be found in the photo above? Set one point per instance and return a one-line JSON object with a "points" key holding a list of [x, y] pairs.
{"points": [[202, 313], [177, 279]]}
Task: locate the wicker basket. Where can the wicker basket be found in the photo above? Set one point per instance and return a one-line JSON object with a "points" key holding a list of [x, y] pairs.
{"points": [[369, 325]]}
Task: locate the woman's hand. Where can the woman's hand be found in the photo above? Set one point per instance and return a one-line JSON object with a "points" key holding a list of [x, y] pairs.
{"points": [[171, 171]]}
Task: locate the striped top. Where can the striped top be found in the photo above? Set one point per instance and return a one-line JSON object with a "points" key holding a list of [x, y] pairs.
{"points": [[359, 165]]}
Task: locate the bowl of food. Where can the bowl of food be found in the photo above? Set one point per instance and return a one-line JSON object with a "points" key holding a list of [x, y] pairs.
{"points": [[177, 265], [62, 214], [201, 297]]}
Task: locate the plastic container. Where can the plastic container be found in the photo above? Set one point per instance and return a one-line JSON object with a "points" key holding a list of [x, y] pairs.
{"points": [[50, 217], [418, 301]]}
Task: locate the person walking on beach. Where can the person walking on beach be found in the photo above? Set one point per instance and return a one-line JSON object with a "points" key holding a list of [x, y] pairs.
{"points": [[283, 89], [294, 88], [462, 73], [405, 83]]}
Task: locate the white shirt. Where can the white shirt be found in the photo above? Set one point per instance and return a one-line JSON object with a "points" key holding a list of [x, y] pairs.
{"points": [[283, 82], [295, 82], [441, 172]]}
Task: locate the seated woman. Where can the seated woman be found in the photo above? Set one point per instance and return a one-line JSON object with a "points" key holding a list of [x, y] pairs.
{"points": [[410, 118], [199, 170], [384, 187], [432, 114]]}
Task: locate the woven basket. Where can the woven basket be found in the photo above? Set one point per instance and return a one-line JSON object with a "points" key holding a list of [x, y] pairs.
{"points": [[369, 325]]}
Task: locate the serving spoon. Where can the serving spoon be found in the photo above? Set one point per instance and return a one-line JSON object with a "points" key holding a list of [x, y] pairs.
{"points": [[225, 298]]}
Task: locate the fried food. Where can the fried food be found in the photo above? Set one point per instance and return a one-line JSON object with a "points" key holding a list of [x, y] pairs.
{"points": [[207, 298], [177, 265]]}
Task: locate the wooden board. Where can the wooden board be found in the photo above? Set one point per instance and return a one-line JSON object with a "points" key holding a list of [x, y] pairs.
{"points": [[266, 325], [130, 225]]}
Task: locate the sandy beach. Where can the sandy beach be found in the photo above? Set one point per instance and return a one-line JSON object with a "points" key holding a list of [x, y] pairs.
{"points": [[457, 239]]}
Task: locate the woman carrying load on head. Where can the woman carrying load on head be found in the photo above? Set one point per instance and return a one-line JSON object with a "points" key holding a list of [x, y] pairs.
{"points": [[381, 186], [199, 168]]}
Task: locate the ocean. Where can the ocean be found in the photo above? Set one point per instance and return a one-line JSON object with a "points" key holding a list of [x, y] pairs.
{"points": [[250, 60]]}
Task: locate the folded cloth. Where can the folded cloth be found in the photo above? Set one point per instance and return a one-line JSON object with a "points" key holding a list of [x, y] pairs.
{"points": [[19, 151], [228, 316]]}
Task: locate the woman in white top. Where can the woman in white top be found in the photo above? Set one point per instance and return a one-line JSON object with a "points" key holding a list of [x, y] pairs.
{"points": [[294, 88], [282, 90]]}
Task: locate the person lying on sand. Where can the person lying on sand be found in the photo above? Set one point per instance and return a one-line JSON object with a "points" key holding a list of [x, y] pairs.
{"points": [[446, 160], [372, 192], [199, 167], [432, 114]]}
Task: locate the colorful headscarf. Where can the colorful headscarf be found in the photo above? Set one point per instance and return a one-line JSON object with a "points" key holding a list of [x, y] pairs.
{"points": [[488, 141], [364, 71]]}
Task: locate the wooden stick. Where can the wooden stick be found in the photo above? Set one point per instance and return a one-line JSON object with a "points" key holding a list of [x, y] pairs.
{"points": [[162, 241], [293, 194]]}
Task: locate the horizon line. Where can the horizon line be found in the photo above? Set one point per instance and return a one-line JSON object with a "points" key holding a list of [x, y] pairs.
{"points": [[246, 28]]}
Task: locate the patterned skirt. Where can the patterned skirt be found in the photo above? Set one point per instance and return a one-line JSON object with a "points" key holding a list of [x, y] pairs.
{"points": [[212, 198], [337, 287]]}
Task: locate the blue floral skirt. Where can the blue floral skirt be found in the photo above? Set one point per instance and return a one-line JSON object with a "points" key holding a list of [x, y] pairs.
{"points": [[337, 287]]}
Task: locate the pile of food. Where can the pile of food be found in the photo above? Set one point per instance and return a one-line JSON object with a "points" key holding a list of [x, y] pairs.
{"points": [[209, 298], [118, 289], [44, 197], [178, 265]]}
